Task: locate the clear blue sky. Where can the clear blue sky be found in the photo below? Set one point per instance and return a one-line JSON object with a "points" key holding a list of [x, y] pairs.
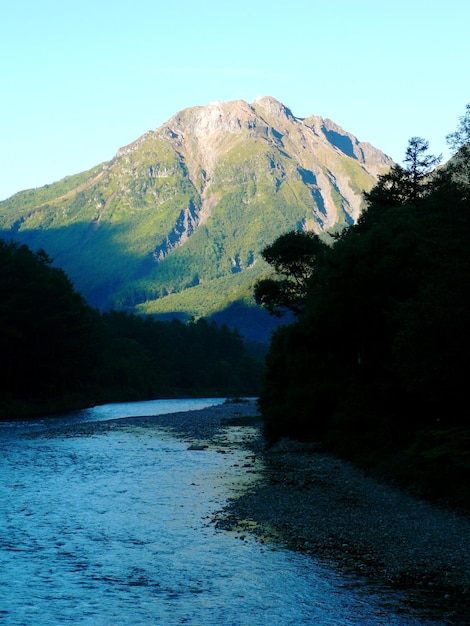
{"points": [[79, 79]]}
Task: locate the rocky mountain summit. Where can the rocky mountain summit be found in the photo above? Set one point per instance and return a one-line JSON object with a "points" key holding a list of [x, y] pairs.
{"points": [[175, 222], [204, 136]]}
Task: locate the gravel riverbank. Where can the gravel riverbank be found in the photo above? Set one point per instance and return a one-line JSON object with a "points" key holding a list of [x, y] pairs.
{"points": [[313, 502]]}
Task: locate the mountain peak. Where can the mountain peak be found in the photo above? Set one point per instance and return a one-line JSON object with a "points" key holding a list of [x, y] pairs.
{"points": [[273, 106], [178, 218], [217, 116]]}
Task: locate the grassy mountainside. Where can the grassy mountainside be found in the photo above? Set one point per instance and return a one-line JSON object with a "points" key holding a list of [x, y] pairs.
{"points": [[175, 222]]}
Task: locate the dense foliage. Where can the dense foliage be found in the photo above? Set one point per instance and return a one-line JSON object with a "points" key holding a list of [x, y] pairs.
{"points": [[376, 364], [145, 358], [59, 353], [46, 330]]}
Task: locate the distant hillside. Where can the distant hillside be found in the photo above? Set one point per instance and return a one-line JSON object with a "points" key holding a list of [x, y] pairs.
{"points": [[175, 222]]}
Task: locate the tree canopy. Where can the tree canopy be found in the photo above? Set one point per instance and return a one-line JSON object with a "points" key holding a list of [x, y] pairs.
{"points": [[294, 257]]}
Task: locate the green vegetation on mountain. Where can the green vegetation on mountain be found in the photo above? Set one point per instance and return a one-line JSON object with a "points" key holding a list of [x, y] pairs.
{"points": [[21, 204], [176, 221], [375, 366]]}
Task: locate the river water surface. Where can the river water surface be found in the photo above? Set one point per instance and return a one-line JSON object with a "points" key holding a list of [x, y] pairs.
{"points": [[115, 528]]}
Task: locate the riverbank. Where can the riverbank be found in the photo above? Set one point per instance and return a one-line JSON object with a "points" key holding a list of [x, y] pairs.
{"points": [[313, 502]]}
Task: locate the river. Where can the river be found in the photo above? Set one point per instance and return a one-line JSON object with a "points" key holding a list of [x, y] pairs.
{"points": [[116, 528]]}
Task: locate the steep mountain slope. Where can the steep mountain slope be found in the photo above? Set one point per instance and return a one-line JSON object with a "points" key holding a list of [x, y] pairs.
{"points": [[176, 220]]}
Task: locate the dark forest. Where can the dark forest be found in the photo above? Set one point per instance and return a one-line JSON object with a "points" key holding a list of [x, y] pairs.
{"points": [[58, 353], [375, 366]]}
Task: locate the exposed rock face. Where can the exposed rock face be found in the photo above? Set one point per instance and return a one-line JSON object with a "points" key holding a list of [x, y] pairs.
{"points": [[202, 136], [191, 204]]}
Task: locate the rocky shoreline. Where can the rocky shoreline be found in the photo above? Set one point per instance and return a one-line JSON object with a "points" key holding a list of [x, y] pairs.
{"points": [[315, 503], [311, 501], [307, 500]]}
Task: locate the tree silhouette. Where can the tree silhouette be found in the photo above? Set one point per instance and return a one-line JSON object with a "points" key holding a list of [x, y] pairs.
{"points": [[294, 257], [419, 165]]}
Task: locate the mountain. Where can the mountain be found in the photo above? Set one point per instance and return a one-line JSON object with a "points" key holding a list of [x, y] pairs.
{"points": [[175, 222]]}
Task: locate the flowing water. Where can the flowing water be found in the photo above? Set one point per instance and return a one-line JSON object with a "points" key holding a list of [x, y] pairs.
{"points": [[115, 528]]}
